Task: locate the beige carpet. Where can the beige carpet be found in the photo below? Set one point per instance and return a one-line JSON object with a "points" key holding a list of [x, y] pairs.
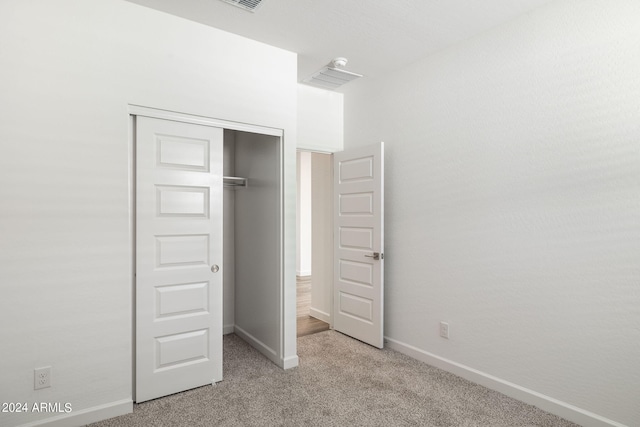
{"points": [[340, 382]]}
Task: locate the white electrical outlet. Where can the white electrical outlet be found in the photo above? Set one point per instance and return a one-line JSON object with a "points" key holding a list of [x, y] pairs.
{"points": [[42, 377], [444, 330]]}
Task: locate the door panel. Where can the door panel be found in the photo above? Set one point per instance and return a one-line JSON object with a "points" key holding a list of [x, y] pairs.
{"points": [[178, 239], [356, 238], [359, 234], [183, 201]]}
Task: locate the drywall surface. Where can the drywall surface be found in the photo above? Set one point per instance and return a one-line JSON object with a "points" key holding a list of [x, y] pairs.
{"points": [[303, 221], [257, 242], [68, 70], [229, 235], [322, 231], [513, 203], [320, 119]]}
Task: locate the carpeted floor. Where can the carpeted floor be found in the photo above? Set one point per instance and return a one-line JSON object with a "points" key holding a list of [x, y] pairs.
{"points": [[340, 382]]}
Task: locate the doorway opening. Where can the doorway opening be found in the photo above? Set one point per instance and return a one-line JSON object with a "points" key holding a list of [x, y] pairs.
{"points": [[347, 216], [314, 257]]}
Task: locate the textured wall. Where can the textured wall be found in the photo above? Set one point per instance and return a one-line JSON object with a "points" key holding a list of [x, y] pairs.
{"points": [[320, 119], [258, 264], [322, 231], [303, 209], [513, 202], [229, 235], [68, 69]]}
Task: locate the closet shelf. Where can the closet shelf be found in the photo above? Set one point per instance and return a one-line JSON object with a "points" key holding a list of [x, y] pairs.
{"points": [[234, 181]]}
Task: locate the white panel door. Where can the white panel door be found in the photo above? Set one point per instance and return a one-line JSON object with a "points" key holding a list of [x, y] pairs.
{"points": [[178, 249], [359, 243]]}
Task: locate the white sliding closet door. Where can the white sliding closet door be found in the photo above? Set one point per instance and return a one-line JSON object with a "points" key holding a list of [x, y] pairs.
{"points": [[178, 256]]}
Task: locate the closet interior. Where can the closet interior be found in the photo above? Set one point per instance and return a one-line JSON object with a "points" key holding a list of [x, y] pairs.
{"points": [[252, 243]]}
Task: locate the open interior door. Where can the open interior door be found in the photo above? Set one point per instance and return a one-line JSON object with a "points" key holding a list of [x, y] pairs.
{"points": [[359, 243]]}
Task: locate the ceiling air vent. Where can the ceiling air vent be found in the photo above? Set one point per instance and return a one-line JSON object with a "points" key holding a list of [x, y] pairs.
{"points": [[249, 5], [332, 75]]}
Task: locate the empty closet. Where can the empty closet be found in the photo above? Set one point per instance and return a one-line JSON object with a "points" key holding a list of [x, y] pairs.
{"points": [[208, 247]]}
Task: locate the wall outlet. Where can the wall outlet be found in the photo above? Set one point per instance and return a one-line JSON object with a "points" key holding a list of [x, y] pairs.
{"points": [[42, 377], [444, 330]]}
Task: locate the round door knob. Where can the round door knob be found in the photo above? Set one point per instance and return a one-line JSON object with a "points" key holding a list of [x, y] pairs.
{"points": [[215, 268]]}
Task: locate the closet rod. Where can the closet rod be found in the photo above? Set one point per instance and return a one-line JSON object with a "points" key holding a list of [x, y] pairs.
{"points": [[234, 181]]}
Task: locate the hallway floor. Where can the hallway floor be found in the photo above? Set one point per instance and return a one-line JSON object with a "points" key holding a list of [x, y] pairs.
{"points": [[306, 324]]}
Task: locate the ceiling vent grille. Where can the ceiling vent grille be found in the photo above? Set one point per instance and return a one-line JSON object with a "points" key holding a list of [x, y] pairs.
{"points": [[250, 5], [332, 75]]}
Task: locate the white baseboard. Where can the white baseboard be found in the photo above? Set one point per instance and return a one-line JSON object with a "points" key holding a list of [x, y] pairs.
{"points": [[546, 403], [227, 329], [320, 315], [303, 273], [87, 416], [290, 362], [270, 353]]}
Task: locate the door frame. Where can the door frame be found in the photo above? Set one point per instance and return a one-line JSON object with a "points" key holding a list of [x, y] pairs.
{"points": [[331, 283], [139, 110]]}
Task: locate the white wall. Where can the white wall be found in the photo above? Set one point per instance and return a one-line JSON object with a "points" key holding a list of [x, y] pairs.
{"points": [[320, 130], [320, 119], [257, 249], [303, 218], [322, 230], [229, 235], [68, 70], [512, 201]]}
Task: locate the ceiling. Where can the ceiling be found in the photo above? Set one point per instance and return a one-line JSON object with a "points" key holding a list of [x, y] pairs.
{"points": [[377, 36]]}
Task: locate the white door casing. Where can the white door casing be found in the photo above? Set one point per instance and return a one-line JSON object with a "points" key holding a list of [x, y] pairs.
{"points": [[358, 236], [178, 249]]}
